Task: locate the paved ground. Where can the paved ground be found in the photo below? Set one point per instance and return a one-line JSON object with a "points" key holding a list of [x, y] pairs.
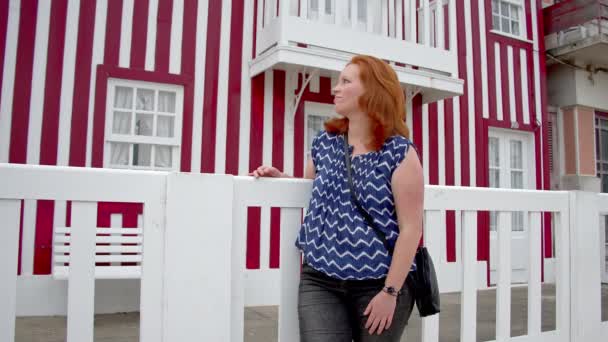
{"points": [[261, 322]]}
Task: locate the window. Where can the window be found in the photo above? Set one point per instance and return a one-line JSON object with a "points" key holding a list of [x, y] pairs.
{"points": [[316, 115], [508, 16], [143, 125], [601, 150], [508, 168]]}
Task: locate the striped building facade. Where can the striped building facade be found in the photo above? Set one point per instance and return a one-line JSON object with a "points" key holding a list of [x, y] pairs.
{"points": [[58, 59]]}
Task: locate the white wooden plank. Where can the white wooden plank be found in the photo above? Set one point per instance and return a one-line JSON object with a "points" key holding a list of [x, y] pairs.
{"points": [[8, 81], [28, 236], [412, 36], [562, 277], [103, 239], [433, 228], [291, 219], [103, 258], [354, 14], [534, 274], [303, 9], [81, 282], [503, 290], [104, 272], [9, 247], [265, 238], [439, 25], [426, 22], [468, 306], [399, 20], [101, 230], [102, 249], [237, 286]]}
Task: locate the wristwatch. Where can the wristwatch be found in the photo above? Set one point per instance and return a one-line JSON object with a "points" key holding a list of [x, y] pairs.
{"points": [[391, 290]]}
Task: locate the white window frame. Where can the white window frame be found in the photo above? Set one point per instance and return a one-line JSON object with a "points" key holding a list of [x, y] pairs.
{"points": [[528, 162], [174, 142], [315, 109], [522, 19]]}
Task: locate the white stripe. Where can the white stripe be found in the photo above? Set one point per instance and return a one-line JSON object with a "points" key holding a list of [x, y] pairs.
{"points": [[497, 69], [425, 142], [177, 27], [267, 136], [523, 56], [484, 59], [511, 75], [151, 35], [67, 83], [471, 92], [38, 79], [8, 81], [99, 36], [199, 84], [245, 121], [222, 90], [314, 84], [288, 152], [441, 141], [457, 166], [28, 238], [126, 29]]}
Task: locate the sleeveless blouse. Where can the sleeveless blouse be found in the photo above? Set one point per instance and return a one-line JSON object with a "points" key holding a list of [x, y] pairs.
{"points": [[334, 237]]}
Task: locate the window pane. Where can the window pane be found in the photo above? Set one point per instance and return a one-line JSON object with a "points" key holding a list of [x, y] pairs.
{"points": [[515, 12], [604, 144], [517, 221], [516, 154], [505, 25], [496, 22], [517, 179], [515, 28], [495, 8], [493, 152], [119, 153], [164, 126], [597, 143], [315, 124], [494, 178], [142, 153], [123, 98], [163, 156], [504, 9], [145, 99], [143, 124], [121, 123], [604, 183], [166, 101]]}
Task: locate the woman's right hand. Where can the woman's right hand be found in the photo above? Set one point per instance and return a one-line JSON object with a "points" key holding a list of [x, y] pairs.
{"points": [[266, 171]]}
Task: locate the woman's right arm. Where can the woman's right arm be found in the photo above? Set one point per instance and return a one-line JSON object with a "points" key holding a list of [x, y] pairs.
{"points": [[271, 171]]}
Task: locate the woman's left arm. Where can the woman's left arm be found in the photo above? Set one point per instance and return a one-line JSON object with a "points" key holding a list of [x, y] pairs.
{"points": [[408, 192]]}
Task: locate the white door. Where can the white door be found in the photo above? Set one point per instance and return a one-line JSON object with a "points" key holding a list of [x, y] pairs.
{"points": [[511, 166]]}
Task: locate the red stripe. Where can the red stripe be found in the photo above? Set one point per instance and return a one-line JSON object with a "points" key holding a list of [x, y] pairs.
{"points": [[531, 92], [464, 104], [519, 112], [113, 22], [255, 26], [211, 79], [3, 28], [139, 34], [234, 88], [23, 82], [504, 71], [417, 123], [528, 15], [255, 159], [278, 140], [188, 69], [449, 178], [163, 35], [52, 89], [433, 145], [493, 110], [43, 245], [82, 82]]}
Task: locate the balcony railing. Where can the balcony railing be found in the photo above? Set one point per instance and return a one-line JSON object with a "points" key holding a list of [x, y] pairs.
{"points": [[419, 41], [576, 24]]}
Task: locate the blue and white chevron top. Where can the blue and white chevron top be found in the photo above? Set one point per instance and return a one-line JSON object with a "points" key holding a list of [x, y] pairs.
{"points": [[334, 237]]}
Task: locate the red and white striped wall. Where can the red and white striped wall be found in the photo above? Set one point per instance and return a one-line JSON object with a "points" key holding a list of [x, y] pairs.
{"points": [[55, 57]]}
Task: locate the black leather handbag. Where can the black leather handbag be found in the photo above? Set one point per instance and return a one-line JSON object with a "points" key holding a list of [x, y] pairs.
{"points": [[423, 280]]}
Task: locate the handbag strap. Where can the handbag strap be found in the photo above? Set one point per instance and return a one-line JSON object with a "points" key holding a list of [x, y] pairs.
{"points": [[368, 219]]}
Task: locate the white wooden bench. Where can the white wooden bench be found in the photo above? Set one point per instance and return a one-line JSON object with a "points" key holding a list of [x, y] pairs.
{"points": [[113, 246]]}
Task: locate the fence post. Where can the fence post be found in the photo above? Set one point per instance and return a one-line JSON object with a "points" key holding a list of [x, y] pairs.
{"points": [[585, 295], [198, 257]]}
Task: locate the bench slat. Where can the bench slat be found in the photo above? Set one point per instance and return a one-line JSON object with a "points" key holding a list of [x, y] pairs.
{"points": [[102, 249], [103, 272], [103, 258], [130, 231], [105, 239]]}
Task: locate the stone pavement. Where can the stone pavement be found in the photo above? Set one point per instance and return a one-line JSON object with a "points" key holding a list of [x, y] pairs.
{"points": [[261, 322]]}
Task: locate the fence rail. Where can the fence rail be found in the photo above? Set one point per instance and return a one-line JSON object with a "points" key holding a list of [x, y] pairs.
{"points": [[195, 285]]}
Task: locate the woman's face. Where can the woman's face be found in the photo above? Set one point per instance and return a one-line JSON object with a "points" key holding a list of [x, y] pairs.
{"points": [[348, 90]]}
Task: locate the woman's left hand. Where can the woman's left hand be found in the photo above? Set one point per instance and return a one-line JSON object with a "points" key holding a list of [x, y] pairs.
{"points": [[380, 311]]}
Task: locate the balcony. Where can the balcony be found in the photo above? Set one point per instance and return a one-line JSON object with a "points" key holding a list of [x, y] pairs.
{"points": [[322, 35], [577, 30]]}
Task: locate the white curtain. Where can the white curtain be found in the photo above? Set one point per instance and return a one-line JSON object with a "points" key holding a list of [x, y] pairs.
{"points": [[164, 126], [163, 156], [123, 98], [145, 99], [166, 102], [142, 154], [121, 123], [120, 154], [143, 124]]}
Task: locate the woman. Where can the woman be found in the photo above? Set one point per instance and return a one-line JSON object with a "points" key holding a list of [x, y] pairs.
{"points": [[353, 285]]}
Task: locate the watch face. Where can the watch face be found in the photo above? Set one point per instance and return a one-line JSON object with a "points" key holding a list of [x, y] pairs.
{"points": [[391, 290]]}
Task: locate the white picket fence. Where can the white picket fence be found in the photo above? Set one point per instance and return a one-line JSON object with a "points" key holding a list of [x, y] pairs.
{"points": [[194, 284]]}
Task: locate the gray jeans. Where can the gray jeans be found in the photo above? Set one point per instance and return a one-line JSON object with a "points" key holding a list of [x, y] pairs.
{"points": [[332, 310]]}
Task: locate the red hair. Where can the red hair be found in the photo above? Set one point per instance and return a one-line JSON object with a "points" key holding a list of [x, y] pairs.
{"points": [[383, 100]]}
